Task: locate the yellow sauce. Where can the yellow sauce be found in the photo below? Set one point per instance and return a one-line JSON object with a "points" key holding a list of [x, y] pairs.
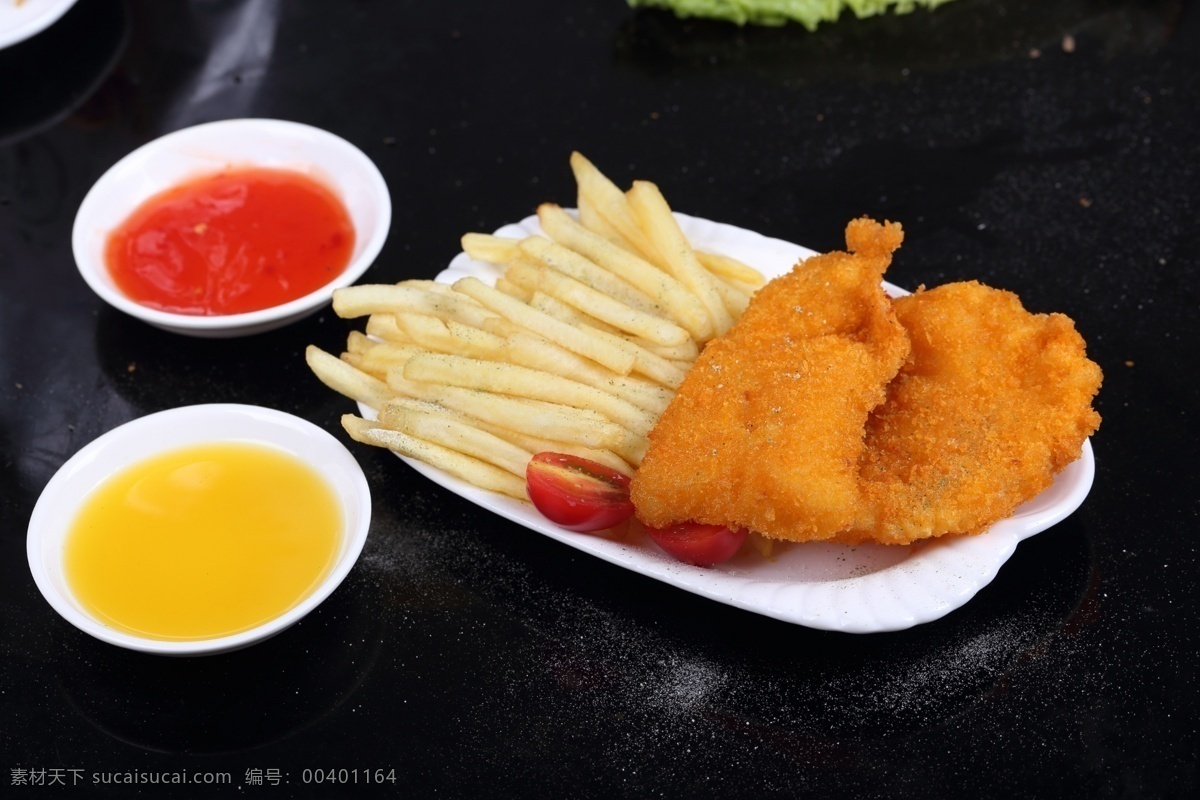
{"points": [[202, 542]]}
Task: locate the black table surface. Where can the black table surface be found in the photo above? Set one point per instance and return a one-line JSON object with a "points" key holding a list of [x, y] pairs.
{"points": [[1048, 147]]}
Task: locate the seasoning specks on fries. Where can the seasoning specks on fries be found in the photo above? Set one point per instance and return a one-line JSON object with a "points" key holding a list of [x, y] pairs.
{"points": [[577, 348]]}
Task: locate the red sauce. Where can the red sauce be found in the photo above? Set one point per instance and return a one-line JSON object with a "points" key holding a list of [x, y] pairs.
{"points": [[240, 240]]}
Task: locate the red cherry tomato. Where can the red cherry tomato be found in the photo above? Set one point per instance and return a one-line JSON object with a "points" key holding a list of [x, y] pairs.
{"points": [[699, 545], [578, 494]]}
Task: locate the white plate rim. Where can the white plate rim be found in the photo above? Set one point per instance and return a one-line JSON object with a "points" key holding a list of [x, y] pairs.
{"points": [[31, 18], [933, 579]]}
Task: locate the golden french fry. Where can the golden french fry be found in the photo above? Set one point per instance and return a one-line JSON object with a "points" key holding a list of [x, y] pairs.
{"points": [[457, 435], [532, 444], [418, 327], [591, 219], [730, 269], [517, 381], [656, 219], [513, 290], [551, 420], [443, 289], [546, 253], [679, 304], [433, 334], [611, 204], [383, 326], [645, 363], [529, 350], [607, 309], [345, 379], [568, 314], [355, 360], [618, 359], [745, 288], [502, 327], [366, 299], [761, 544], [472, 470], [475, 341], [386, 356], [688, 351], [493, 249], [735, 302], [524, 276], [358, 342]]}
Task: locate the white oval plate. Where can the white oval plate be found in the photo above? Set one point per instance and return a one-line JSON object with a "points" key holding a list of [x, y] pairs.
{"points": [[862, 589], [19, 21]]}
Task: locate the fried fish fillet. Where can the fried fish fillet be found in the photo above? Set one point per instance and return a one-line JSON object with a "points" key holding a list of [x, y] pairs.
{"points": [[992, 403], [767, 429]]}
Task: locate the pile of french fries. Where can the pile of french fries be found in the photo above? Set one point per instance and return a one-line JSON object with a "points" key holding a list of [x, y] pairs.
{"points": [[577, 349]]}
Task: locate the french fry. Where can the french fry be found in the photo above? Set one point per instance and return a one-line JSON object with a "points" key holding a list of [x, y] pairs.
{"points": [[513, 290], [492, 249], [443, 289], [568, 314], [386, 356], [366, 299], [530, 350], [601, 306], [611, 204], [551, 420], [517, 381], [688, 351], [730, 269], [457, 435], [533, 444], [345, 379], [355, 360], [433, 334], [525, 277], [680, 304], [471, 470], [762, 545], [735, 302], [654, 215], [358, 342], [745, 288], [544, 252], [384, 326], [618, 359], [645, 363], [591, 219]]}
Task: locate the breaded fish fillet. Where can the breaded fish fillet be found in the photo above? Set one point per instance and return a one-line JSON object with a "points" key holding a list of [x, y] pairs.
{"points": [[992, 403], [767, 429]]}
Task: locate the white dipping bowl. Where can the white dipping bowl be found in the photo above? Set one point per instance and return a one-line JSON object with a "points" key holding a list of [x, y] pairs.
{"points": [[151, 435], [209, 148]]}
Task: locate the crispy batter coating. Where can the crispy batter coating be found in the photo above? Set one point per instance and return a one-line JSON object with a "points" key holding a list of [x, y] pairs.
{"points": [[767, 429], [992, 403]]}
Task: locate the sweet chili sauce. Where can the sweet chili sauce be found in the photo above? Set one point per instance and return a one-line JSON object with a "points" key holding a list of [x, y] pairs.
{"points": [[235, 241]]}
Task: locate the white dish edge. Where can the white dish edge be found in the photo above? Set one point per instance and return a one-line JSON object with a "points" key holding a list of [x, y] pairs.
{"points": [[861, 589]]}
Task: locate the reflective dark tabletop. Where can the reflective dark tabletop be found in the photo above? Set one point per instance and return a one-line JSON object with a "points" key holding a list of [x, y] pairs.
{"points": [[1048, 147]]}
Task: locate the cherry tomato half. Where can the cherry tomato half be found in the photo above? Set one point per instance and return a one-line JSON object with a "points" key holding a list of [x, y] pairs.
{"points": [[578, 494], [699, 545]]}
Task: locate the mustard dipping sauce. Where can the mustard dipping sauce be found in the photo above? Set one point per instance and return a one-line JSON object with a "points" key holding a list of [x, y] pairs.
{"points": [[202, 542]]}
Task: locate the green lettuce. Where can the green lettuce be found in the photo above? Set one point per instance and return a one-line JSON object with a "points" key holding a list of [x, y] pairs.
{"points": [[808, 13]]}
